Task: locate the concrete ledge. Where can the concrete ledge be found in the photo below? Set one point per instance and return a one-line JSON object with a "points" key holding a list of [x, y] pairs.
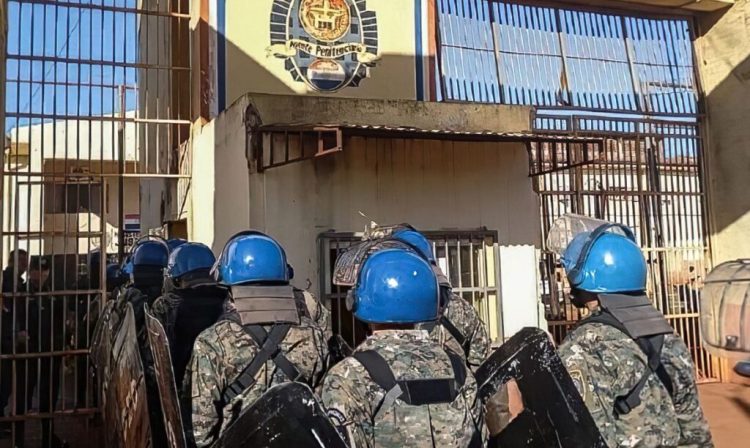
{"points": [[465, 117]]}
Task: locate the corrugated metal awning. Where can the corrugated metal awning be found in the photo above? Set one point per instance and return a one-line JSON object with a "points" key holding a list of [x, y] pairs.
{"points": [[292, 142], [438, 134]]}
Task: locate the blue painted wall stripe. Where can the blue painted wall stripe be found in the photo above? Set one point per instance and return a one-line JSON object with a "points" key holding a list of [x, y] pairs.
{"points": [[221, 53], [418, 54]]}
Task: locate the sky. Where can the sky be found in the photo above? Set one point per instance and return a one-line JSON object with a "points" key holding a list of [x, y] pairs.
{"points": [[83, 46]]}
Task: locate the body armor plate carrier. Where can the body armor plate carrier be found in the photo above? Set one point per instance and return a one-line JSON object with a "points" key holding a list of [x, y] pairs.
{"points": [[266, 313]]}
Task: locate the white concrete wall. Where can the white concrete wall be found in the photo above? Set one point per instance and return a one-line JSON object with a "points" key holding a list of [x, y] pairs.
{"points": [[433, 185]]}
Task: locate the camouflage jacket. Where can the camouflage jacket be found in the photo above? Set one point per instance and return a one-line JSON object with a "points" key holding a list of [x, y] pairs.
{"points": [[605, 363], [351, 397], [466, 319], [222, 351]]}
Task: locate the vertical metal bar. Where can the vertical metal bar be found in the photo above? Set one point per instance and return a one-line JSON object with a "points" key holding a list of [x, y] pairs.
{"points": [[498, 293], [494, 25], [121, 178], [564, 86], [630, 58]]}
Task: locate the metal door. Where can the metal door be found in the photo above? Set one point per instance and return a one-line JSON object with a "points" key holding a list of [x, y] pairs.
{"points": [[91, 118]]}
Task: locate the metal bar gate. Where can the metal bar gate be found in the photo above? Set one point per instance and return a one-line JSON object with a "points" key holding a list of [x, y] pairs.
{"points": [[92, 118], [630, 78], [469, 259], [649, 177]]}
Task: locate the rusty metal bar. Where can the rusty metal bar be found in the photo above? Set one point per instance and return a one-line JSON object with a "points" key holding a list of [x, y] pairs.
{"points": [[45, 354], [53, 197], [103, 7], [61, 60], [42, 415], [102, 118]]}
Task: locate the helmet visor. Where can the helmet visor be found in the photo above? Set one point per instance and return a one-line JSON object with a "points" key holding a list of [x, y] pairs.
{"points": [[572, 236], [568, 228], [349, 263]]}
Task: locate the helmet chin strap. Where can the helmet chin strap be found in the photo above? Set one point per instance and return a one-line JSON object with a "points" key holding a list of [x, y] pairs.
{"points": [[583, 299]]}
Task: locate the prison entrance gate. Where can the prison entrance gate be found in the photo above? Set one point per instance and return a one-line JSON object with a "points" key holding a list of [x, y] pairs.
{"points": [[629, 77], [91, 122]]}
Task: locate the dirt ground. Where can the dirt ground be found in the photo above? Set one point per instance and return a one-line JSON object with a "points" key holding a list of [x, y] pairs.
{"points": [[727, 408]]}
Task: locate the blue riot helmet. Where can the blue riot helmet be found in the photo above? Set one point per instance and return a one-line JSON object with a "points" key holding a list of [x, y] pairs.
{"points": [[252, 257], [115, 277], [174, 243], [151, 253], [598, 256], [149, 260], [417, 241], [190, 264], [395, 286]]}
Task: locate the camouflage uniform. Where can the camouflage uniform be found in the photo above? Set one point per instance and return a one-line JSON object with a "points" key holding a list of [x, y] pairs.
{"points": [[350, 395], [605, 363], [223, 350], [466, 319]]}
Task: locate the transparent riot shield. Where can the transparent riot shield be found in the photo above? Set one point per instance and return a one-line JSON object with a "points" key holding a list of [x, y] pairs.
{"points": [[288, 415], [554, 414], [725, 310], [165, 382], [126, 419]]}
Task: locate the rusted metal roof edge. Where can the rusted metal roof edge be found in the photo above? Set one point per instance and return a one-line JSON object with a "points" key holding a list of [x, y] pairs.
{"points": [[429, 134]]}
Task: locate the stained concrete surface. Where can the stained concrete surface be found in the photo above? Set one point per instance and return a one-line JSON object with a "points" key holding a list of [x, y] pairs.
{"points": [[727, 408]]}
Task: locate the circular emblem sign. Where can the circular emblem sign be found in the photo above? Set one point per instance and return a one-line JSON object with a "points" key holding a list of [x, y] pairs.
{"points": [[325, 20], [326, 44]]}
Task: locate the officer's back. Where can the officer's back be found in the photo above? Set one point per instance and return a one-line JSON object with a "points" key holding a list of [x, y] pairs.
{"points": [[633, 372], [459, 326], [271, 333], [192, 301], [400, 388]]}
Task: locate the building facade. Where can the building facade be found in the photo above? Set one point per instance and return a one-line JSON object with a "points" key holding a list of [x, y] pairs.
{"points": [[316, 117]]}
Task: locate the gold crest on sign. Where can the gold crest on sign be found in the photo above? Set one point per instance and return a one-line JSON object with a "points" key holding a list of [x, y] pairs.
{"points": [[325, 20]]}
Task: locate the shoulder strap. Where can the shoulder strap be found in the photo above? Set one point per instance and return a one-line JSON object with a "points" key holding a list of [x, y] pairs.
{"points": [[260, 335], [381, 373], [463, 341], [626, 403], [459, 368], [651, 346], [413, 392], [268, 349]]}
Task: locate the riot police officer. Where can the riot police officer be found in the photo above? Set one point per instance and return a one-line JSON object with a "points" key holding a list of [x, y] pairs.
{"points": [[147, 277], [400, 388], [149, 259], [272, 333], [633, 372], [459, 326], [192, 301]]}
